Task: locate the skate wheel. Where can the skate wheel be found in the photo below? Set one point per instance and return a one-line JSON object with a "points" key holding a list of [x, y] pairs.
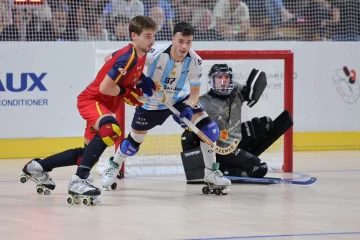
{"points": [[95, 201], [47, 192], [23, 178], [40, 189], [71, 200], [217, 191], [114, 186], [77, 200], [205, 190], [120, 175], [87, 201]]}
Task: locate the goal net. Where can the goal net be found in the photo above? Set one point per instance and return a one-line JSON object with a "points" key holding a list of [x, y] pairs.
{"points": [[160, 152]]}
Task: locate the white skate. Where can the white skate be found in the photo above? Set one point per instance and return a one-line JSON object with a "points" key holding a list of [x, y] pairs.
{"points": [[34, 171], [109, 176], [215, 182], [82, 189]]}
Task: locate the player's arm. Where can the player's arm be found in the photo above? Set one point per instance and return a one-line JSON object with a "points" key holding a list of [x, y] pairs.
{"points": [[195, 82], [124, 63]]}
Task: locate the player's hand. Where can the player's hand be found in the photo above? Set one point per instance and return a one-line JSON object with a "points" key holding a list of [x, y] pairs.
{"points": [[147, 86], [131, 96], [186, 113]]}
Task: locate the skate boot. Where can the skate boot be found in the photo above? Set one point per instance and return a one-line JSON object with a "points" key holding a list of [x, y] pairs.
{"points": [[81, 190], [34, 171], [215, 182], [109, 176]]}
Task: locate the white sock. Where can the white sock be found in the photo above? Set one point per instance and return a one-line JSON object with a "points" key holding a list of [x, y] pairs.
{"points": [[119, 157], [209, 157]]}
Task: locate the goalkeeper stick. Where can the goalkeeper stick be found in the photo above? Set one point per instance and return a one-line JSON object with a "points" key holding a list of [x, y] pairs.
{"points": [[160, 97]]}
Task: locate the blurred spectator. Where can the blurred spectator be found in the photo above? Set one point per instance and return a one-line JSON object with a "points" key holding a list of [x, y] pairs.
{"points": [[346, 18], [5, 14], [181, 10], [165, 5], [120, 29], [55, 30], [164, 32], [318, 14], [94, 31], [18, 30], [128, 8], [232, 19]]}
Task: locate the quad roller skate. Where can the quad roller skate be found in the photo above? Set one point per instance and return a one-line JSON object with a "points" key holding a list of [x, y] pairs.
{"points": [[215, 182], [110, 174], [33, 171], [81, 191]]}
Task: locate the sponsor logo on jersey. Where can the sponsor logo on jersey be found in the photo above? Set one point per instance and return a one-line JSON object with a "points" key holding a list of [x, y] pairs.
{"points": [[160, 68], [122, 71]]}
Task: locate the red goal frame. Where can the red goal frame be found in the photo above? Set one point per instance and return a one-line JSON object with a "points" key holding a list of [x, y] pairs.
{"points": [[285, 55]]}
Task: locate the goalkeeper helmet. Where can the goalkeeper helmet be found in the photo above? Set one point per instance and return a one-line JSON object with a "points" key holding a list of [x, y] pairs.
{"points": [[220, 78]]}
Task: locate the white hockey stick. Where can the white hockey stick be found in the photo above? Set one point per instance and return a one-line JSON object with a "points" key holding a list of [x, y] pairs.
{"points": [[161, 97]]}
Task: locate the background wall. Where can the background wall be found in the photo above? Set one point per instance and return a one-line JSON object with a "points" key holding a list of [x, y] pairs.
{"points": [[40, 82]]}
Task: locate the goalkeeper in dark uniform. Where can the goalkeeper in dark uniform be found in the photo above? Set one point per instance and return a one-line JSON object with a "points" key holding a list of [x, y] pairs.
{"points": [[223, 103]]}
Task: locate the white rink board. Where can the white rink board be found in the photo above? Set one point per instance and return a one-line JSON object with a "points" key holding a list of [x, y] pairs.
{"points": [[323, 98]]}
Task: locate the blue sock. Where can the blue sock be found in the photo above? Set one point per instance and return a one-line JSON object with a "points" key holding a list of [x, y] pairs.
{"points": [[93, 151], [63, 159]]}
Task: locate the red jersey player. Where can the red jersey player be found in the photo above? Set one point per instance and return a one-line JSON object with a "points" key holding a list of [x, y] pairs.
{"points": [[117, 80]]}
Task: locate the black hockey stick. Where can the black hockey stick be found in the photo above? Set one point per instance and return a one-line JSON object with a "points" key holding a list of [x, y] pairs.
{"points": [[269, 180]]}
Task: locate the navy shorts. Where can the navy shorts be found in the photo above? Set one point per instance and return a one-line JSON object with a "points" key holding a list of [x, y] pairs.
{"points": [[148, 119]]}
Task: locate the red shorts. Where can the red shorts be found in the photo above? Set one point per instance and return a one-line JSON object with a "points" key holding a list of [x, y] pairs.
{"points": [[91, 110]]}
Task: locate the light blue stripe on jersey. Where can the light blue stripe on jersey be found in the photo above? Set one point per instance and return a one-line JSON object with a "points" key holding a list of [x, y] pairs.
{"points": [[184, 74]]}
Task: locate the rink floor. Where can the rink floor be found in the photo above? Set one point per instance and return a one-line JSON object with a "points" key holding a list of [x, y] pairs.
{"points": [[166, 208]]}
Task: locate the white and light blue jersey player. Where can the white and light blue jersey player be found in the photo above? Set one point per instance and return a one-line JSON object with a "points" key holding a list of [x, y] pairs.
{"points": [[177, 77], [179, 70]]}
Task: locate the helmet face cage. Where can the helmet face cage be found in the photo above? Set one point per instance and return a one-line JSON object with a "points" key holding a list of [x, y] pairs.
{"points": [[218, 69]]}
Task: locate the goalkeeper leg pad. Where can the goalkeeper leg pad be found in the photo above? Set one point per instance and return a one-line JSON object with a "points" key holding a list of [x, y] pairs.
{"points": [[280, 125], [193, 163]]}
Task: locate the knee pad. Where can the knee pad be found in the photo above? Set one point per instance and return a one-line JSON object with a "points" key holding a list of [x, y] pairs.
{"points": [[189, 140], [109, 130], [129, 147], [258, 171], [209, 128]]}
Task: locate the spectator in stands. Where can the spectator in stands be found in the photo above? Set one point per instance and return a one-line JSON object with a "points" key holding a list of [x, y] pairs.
{"points": [[128, 8], [88, 10], [181, 10], [166, 6], [318, 15], [5, 14], [232, 19], [163, 32], [55, 30], [120, 29], [18, 29], [95, 30], [346, 19]]}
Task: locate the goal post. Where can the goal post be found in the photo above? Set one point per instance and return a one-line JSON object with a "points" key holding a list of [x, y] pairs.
{"points": [[160, 152]]}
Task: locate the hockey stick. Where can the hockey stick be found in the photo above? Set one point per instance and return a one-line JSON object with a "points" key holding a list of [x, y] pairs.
{"points": [[269, 180], [162, 98]]}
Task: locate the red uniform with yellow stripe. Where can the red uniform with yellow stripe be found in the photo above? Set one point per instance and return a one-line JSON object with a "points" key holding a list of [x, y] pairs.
{"points": [[125, 68]]}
